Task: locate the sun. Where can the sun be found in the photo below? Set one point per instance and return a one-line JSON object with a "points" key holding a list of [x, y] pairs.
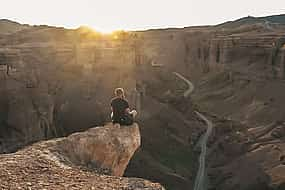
{"points": [[115, 36], [106, 30], [110, 32]]}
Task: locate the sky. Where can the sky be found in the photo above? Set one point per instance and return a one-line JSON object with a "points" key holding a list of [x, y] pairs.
{"points": [[109, 15]]}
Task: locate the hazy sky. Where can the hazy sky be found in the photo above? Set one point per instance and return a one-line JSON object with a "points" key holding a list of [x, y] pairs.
{"points": [[107, 15]]}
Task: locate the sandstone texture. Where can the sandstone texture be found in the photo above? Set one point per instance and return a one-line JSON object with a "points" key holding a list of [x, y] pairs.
{"points": [[45, 165], [106, 147]]}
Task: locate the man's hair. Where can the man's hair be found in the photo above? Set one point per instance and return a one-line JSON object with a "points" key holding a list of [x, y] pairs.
{"points": [[119, 92]]}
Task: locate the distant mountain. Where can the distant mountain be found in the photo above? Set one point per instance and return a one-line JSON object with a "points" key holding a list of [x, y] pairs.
{"points": [[274, 19], [8, 26], [278, 19]]}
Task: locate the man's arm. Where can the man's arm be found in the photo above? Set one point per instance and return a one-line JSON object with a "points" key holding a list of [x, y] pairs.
{"points": [[127, 107], [111, 104], [128, 110]]}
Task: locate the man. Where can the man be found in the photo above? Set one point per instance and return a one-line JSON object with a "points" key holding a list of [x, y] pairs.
{"points": [[121, 113]]}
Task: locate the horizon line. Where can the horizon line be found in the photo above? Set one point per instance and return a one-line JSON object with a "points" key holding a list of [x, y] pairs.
{"points": [[15, 20]]}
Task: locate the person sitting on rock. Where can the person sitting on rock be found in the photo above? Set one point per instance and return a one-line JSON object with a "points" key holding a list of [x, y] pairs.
{"points": [[121, 113]]}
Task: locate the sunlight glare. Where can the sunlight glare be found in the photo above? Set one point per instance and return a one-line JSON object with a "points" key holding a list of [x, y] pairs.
{"points": [[106, 30], [115, 36]]}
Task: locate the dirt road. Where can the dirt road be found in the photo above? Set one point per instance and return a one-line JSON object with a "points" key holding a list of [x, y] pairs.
{"points": [[191, 87], [201, 174]]}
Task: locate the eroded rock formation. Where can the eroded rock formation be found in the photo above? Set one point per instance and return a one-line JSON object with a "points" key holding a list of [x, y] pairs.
{"points": [[106, 147], [62, 163]]}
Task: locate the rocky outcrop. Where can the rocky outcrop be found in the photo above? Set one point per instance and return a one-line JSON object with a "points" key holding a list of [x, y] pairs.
{"points": [[108, 147], [236, 50], [279, 131], [259, 169], [246, 159], [52, 165]]}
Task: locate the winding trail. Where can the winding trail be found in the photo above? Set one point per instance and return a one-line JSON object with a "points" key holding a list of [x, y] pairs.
{"points": [[201, 174], [191, 87]]}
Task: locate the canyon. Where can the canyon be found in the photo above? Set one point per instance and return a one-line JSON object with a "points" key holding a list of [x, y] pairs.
{"points": [[57, 81]]}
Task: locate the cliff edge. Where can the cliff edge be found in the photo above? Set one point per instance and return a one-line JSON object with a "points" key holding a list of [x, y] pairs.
{"points": [[79, 161]]}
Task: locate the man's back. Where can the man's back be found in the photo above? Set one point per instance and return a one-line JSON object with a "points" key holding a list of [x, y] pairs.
{"points": [[119, 106]]}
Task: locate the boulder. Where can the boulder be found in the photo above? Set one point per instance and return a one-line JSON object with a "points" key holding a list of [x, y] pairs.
{"points": [[53, 164], [108, 148]]}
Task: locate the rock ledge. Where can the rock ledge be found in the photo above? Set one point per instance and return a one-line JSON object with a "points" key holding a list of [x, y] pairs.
{"points": [[60, 163]]}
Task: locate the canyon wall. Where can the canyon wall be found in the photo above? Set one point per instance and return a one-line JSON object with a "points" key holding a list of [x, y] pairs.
{"points": [[52, 86], [238, 75]]}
